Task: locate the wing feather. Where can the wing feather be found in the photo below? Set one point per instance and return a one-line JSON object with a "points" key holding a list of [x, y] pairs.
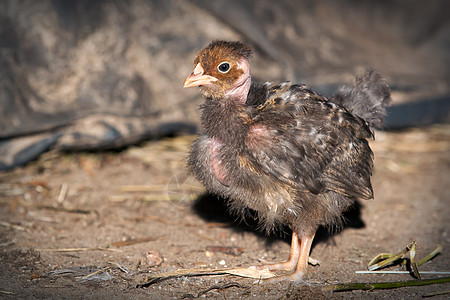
{"points": [[315, 145]]}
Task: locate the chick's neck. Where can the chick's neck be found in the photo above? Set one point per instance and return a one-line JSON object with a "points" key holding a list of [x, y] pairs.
{"points": [[226, 120], [239, 91]]}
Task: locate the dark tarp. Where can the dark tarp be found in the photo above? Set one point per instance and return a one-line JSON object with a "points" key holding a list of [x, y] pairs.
{"points": [[106, 74]]}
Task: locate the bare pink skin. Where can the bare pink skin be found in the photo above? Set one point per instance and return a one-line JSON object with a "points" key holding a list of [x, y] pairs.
{"points": [[216, 162], [243, 83]]}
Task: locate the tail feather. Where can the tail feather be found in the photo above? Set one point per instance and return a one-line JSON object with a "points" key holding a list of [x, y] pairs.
{"points": [[367, 99]]}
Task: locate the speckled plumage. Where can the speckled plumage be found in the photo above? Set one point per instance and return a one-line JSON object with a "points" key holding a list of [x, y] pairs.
{"points": [[292, 156]]}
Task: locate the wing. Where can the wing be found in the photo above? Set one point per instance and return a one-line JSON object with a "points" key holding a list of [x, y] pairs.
{"points": [[310, 143]]}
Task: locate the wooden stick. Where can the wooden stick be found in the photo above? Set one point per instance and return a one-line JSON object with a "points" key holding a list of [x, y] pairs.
{"points": [[402, 272], [241, 272], [430, 255], [63, 192], [384, 285], [95, 273], [77, 249], [436, 294], [17, 227]]}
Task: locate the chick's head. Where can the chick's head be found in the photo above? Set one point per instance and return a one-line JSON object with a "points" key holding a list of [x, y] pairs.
{"points": [[222, 70]]}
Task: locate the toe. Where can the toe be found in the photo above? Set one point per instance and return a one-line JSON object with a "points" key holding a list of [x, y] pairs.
{"points": [[313, 261]]}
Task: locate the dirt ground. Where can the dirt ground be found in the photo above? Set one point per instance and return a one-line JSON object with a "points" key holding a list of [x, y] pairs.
{"points": [[134, 213]]}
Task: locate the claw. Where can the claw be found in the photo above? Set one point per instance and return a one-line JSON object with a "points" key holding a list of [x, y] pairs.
{"points": [[313, 261]]}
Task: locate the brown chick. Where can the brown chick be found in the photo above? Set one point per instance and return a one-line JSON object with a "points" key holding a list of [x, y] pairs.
{"points": [[292, 156]]}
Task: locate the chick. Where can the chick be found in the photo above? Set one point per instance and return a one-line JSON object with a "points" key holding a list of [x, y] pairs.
{"points": [[292, 156]]}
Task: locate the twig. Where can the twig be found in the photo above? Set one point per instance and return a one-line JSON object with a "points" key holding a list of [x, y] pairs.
{"points": [[134, 241], [373, 265], [402, 272], [63, 209], [383, 285], [385, 259], [123, 269], [95, 273], [220, 287], [436, 294], [242, 272], [77, 249], [146, 188], [180, 273], [412, 260], [6, 292], [7, 243], [63, 192], [17, 227], [157, 198], [430, 255], [154, 188], [378, 258]]}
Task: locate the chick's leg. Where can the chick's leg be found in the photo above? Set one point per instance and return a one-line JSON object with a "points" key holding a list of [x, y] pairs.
{"points": [[302, 263], [288, 265]]}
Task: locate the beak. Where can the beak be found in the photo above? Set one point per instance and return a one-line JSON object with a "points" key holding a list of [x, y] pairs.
{"points": [[197, 78]]}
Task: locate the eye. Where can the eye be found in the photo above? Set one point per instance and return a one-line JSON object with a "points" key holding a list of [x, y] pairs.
{"points": [[223, 67]]}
